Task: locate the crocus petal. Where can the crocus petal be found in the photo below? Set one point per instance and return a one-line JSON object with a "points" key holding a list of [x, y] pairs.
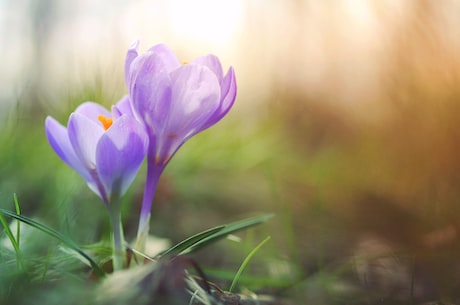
{"points": [[149, 88], [228, 98], [167, 56], [228, 90], [133, 52], [84, 135], [92, 110], [93, 186], [195, 97], [213, 63], [59, 140], [119, 155], [122, 107]]}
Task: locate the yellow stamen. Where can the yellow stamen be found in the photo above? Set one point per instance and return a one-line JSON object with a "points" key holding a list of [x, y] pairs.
{"points": [[185, 62], [105, 121]]}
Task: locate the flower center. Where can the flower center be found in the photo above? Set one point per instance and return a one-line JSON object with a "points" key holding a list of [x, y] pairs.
{"points": [[105, 121]]}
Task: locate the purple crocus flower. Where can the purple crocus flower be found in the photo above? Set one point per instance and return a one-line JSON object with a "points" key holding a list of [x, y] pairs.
{"points": [[174, 101], [105, 148]]}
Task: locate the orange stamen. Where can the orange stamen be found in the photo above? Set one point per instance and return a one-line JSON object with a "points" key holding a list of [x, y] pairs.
{"points": [[105, 121]]}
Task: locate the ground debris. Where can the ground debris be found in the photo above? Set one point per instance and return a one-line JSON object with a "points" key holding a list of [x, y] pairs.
{"points": [[228, 298], [168, 282]]}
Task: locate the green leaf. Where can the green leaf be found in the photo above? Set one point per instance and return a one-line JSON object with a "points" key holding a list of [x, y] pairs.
{"points": [[212, 235], [50, 231]]}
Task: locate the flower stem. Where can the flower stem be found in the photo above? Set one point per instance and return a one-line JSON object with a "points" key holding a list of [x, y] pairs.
{"points": [[119, 255], [153, 175]]}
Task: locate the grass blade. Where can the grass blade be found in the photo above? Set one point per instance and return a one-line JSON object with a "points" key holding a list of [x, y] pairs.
{"points": [[245, 263], [229, 229], [186, 244], [18, 212], [66, 241], [209, 236], [13, 240]]}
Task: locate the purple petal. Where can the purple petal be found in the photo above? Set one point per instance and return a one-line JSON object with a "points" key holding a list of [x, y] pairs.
{"points": [[59, 140], [84, 134], [149, 88], [93, 186], [122, 107], [92, 110], [228, 98], [167, 56], [120, 153], [166, 148], [213, 63], [195, 97], [133, 52], [228, 90]]}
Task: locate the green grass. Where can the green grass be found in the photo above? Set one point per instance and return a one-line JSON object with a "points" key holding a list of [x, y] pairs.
{"points": [[55, 234]]}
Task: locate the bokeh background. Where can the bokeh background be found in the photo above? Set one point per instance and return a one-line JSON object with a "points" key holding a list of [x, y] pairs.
{"points": [[346, 126]]}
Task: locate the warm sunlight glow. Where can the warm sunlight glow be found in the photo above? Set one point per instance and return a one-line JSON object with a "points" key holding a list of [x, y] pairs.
{"points": [[206, 21], [359, 11]]}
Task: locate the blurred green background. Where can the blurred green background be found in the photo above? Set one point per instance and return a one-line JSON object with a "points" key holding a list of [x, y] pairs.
{"points": [[346, 126]]}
